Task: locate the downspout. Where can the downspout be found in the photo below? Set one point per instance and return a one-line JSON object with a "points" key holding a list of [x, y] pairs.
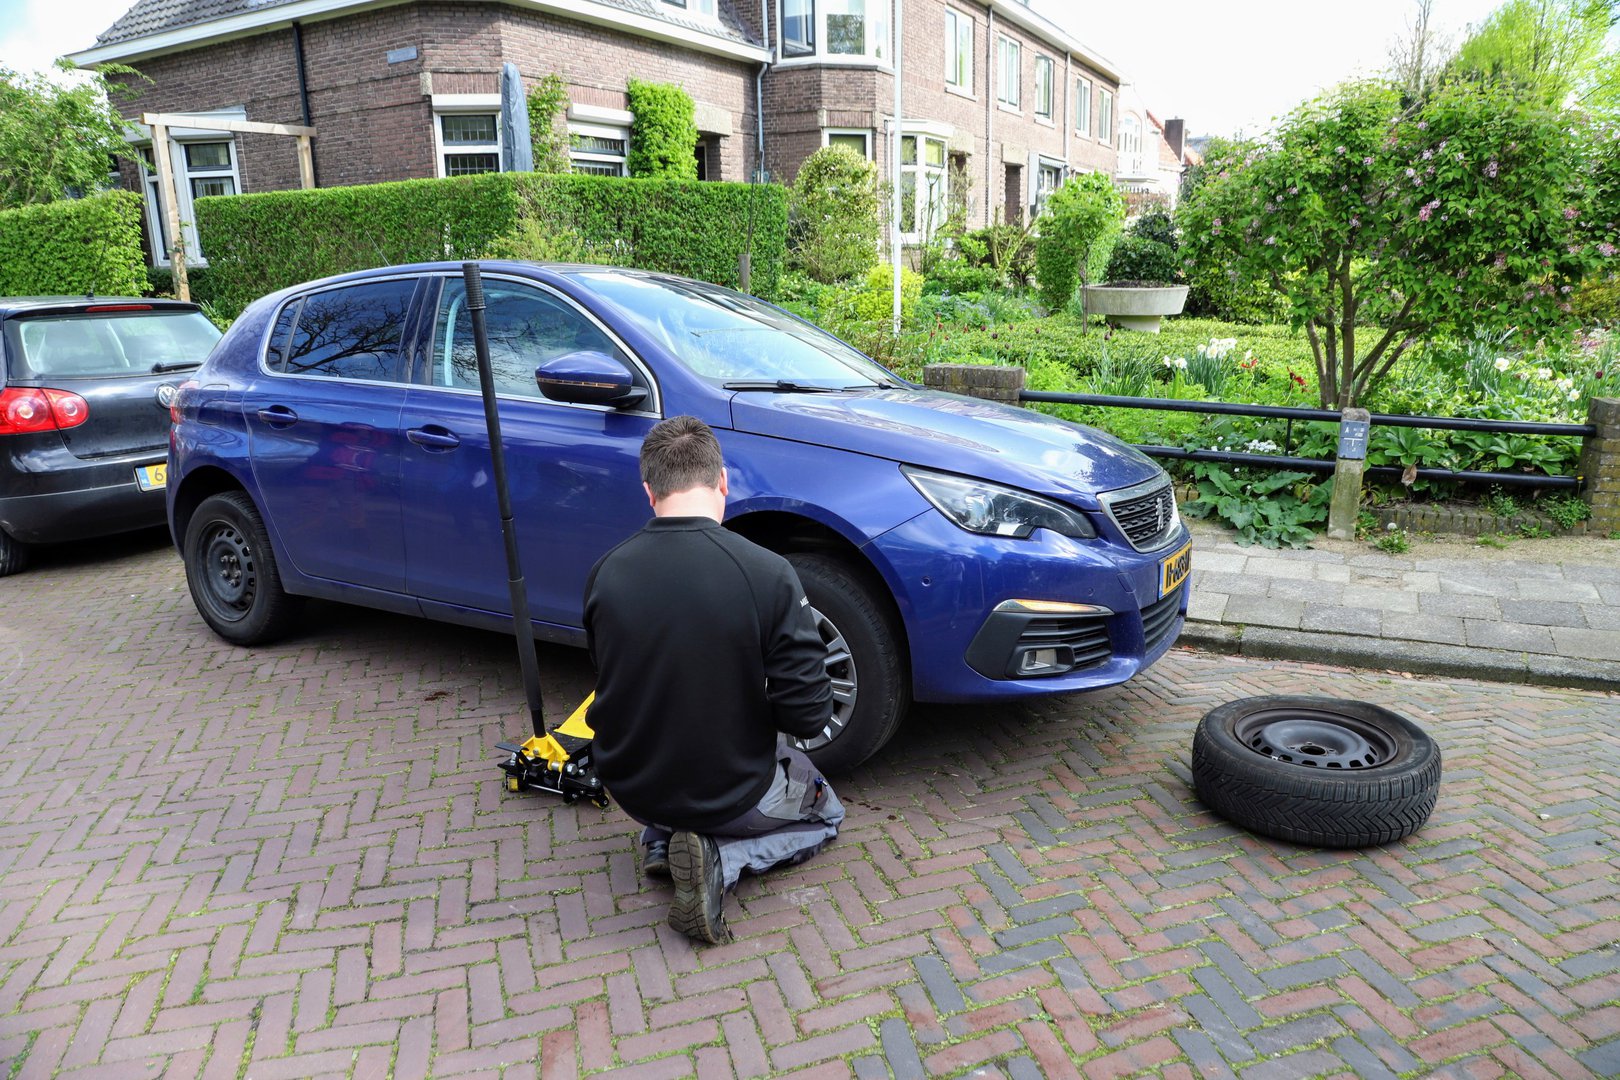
{"points": [[303, 95], [759, 87], [1068, 103], [990, 161]]}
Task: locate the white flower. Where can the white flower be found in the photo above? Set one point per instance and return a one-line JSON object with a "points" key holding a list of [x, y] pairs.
{"points": [[1543, 372], [1391, 527], [1574, 395], [1524, 374], [1168, 361], [1262, 446], [1503, 363], [1565, 384], [1181, 363], [1202, 349]]}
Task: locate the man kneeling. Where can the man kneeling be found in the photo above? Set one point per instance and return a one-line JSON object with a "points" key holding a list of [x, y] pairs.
{"points": [[706, 657]]}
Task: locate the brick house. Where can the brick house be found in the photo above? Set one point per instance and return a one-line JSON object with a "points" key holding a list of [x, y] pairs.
{"points": [[997, 100]]}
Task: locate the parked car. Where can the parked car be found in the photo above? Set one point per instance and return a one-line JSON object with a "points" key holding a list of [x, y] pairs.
{"points": [[953, 549], [85, 386]]}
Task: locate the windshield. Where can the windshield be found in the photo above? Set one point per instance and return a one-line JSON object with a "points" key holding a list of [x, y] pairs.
{"points": [[729, 337], [99, 346]]}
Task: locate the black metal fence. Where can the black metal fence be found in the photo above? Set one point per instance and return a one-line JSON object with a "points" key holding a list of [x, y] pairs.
{"points": [[1284, 461]]}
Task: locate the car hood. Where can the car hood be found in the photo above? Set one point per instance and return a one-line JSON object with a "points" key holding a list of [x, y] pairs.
{"points": [[935, 430]]}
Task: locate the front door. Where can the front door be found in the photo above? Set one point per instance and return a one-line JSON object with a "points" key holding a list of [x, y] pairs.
{"points": [[573, 470]]}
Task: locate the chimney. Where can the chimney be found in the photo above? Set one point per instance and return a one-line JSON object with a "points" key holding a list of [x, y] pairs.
{"points": [[1175, 137]]}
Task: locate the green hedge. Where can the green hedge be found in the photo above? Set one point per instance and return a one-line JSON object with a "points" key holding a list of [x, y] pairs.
{"points": [[259, 243], [74, 247]]}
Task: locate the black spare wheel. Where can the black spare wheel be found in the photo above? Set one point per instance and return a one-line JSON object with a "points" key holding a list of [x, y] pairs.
{"points": [[1317, 771]]}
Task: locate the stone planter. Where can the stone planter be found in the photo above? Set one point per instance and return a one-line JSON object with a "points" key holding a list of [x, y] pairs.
{"points": [[1134, 307]]}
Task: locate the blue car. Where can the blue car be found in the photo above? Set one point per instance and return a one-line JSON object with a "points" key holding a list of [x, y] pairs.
{"points": [[955, 550]]}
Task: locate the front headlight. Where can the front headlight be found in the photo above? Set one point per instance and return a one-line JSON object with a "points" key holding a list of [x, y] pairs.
{"points": [[992, 510]]}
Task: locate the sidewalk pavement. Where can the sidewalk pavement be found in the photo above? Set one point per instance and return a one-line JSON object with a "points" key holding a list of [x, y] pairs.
{"points": [[1544, 612]]}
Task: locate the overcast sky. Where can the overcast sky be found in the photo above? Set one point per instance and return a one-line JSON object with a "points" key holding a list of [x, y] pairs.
{"points": [[1223, 66]]}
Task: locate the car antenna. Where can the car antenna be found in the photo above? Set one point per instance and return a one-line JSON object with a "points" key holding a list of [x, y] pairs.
{"points": [[557, 762]]}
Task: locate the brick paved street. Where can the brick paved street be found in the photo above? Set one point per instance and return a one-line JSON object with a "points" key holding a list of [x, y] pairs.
{"points": [[300, 861]]}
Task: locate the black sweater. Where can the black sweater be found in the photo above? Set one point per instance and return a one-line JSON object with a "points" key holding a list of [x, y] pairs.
{"points": [[704, 649]]}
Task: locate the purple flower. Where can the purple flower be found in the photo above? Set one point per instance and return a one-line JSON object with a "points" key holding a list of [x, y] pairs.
{"points": [[1367, 160], [1411, 172], [1423, 125], [1355, 222], [1271, 240], [1606, 249], [1501, 261], [1428, 209], [1490, 170], [1427, 154], [1216, 223], [1569, 213], [1338, 150]]}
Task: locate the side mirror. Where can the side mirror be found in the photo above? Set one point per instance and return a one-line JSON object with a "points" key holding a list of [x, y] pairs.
{"points": [[589, 378]]}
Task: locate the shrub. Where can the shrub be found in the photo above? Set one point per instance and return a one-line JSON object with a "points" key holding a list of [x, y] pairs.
{"points": [[663, 132], [1008, 248], [260, 243], [1077, 214], [547, 100], [961, 276], [74, 247], [1157, 226], [1138, 259], [835, 214], [875, 302]]}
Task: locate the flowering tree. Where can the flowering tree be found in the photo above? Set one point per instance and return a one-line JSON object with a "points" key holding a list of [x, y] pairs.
{"points": [[1381, 224]]}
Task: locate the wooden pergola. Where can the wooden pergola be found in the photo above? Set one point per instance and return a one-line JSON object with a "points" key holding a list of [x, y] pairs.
{"points": [[160, 123]]}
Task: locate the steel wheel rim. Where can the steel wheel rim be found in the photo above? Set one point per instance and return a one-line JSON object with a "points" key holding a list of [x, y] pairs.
{"points": [[230, 580], [1315, 739], [840, 664]]}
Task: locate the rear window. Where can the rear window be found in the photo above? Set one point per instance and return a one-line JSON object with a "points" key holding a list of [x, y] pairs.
{"points": [[105, 346]]}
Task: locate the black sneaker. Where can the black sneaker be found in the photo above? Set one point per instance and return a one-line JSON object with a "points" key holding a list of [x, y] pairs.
{"points": [[655, 858], [700, 888]]}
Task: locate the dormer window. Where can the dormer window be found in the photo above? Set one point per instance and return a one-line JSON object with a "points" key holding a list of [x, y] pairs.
{"points": [[839, 31], [694, 7]]}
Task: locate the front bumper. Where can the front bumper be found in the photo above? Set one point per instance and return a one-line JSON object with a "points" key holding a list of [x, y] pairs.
{"points": [[949, 583]]}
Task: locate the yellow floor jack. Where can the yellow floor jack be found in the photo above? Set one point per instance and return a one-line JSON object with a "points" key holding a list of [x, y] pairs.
{"points": [[558, 761]]}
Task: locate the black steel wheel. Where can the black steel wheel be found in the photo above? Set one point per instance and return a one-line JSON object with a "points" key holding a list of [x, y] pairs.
{"points": [[1316, 771], [232, 573], [13, 555], [871, 687]]}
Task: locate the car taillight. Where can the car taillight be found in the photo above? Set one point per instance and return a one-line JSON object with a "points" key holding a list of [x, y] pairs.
{"points": [[24, 409], [179, 392]]}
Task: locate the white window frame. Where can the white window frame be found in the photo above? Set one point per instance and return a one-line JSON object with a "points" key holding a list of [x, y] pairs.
{"points": [[599, 157], [1042, 61], [1105, 116], [702, 9], [879, 17], [864, 133], [1082, 105], [958, 53], [1129, 144], [463, 105], [1009, 49], [1045, 167], [157, 221], [923, 176]]}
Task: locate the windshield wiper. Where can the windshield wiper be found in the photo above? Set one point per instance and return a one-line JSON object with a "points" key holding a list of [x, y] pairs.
{"points": [[181, 365], [784, 386]]}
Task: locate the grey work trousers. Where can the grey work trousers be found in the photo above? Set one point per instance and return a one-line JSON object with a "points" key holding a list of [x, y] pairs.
{"points": [[796, 817]]}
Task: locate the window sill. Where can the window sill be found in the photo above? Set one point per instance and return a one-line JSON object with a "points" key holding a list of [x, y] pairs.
{"points": [[1006, 108], [961, 91], [835, 61], [1044, 121]]}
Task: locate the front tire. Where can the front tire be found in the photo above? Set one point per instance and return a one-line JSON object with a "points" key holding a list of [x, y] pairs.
{"points": [[231, 571], [13, 555], [871, 687], [1316, 771]]}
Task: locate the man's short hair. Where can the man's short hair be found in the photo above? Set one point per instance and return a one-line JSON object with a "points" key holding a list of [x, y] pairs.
{"points": [[680, 454]]}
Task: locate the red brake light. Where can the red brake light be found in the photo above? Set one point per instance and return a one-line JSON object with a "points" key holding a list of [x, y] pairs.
{"points": [[24, 409], [174, 402], [120, 307]]}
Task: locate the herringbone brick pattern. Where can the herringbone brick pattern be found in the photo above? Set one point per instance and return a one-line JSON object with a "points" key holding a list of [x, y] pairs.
{"points": [[299, 861]]}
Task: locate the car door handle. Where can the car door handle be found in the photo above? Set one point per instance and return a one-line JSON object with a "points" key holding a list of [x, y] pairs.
{"points": [[433, 438], [278, 414]]}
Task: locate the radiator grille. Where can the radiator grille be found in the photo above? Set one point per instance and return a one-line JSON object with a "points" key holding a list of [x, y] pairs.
{"points": [[1147, 518]]}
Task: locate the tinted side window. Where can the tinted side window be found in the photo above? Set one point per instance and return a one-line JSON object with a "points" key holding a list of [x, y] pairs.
{"points": [[275, 357], [351, 332], [527, 327]]}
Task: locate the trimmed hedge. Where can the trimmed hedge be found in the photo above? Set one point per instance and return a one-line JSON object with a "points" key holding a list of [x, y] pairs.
{"points": [[74, 247], [259, 243]]}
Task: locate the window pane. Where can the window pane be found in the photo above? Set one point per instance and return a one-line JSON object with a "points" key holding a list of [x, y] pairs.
{"points": [[934, 152], [527, 328], [854, 140], [846, 27], [598, 168], [1043, 86], [908, 201], [468, 164], [212, 155], [351, 333], [462, 130], [98, 346], [798, 27], [212, 185], [596, 144], [908, 149]]}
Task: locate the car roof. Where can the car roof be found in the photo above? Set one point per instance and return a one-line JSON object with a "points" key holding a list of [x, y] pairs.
{"points": [[495, 265], [32, 305]]}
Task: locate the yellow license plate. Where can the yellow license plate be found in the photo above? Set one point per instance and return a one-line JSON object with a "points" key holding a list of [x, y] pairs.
{"points": [[1174, 569], [152, 477]]}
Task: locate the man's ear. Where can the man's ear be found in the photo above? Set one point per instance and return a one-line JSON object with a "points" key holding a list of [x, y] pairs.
{"points": [[652, 500], [724, 486]]}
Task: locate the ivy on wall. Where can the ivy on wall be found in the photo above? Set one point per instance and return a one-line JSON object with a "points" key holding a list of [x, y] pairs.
{"points": [[663, 132]]}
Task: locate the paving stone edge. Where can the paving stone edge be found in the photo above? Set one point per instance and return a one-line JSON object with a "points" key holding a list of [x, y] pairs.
{"points": [[1418, 657]]}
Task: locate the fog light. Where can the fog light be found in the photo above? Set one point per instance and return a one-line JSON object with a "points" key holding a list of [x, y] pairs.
{"points": [[1045, 661]]}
